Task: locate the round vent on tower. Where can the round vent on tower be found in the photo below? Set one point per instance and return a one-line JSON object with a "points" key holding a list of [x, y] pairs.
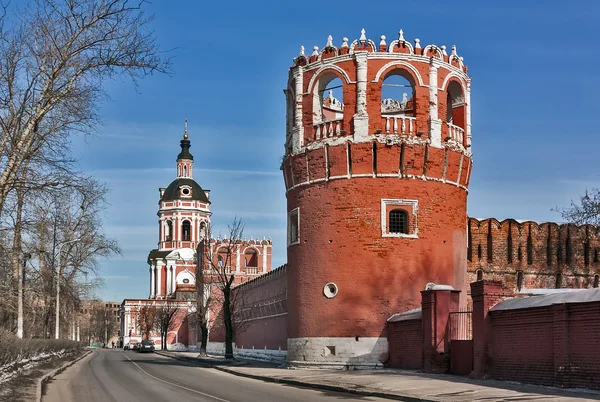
{"points": [[330, 290]]}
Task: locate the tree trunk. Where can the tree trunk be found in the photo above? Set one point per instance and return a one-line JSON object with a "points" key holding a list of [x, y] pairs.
{"points": [[228, 322], [17, 254], [204, 338]]}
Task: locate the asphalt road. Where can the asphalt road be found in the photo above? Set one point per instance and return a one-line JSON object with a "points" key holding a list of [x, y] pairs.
{"points": [[123, 376]]}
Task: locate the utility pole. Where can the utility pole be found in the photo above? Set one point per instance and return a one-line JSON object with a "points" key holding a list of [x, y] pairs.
{"points": [[57, 324]]}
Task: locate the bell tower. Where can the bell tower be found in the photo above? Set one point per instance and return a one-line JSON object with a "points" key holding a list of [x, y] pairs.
{"points": [[183, 221], [376, 185]]}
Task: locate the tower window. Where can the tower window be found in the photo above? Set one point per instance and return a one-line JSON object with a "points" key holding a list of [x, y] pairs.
{"points": [[220, 261], [399, 218], [294, 227], [596, 280], [519, 280], [185, 231], [479, 274], [398, 221], [185, 171], [169, 229]]}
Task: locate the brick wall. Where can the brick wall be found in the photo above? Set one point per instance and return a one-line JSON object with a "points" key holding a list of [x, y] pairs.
{"points": [[555, 345], [406, 344], [522, 349], [264, 303], [542, 253]]}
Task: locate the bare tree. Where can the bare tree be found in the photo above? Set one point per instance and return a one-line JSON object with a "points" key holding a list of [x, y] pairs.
{"points": [[585, 211], [56, 55], [165, 319], [222, 275], [148, 319], [204, 298]]}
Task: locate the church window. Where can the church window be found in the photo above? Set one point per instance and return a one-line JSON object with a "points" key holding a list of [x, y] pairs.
{"points": [[185, 231], [169, 229], [398, 221], [186, 281], [202, 230], [519, 280], [596, 280], [251, 257], [479, 274], [293, 227], [185, 171]]}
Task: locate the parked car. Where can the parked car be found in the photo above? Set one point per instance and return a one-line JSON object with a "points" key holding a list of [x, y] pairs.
{"points": [[131, 345], [146, 346]]}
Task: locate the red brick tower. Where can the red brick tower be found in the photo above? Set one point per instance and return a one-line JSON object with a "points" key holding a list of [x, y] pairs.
{"points": [[376, 191]]}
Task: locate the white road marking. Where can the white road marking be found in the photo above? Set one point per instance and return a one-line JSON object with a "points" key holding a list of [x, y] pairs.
{"points": [[175, 385]]}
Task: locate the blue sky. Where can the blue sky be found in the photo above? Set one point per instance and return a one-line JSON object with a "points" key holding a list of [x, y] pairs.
{"points": [[535, 111]]}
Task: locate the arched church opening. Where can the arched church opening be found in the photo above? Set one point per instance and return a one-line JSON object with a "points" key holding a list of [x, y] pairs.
{"points": [[186, 231]]}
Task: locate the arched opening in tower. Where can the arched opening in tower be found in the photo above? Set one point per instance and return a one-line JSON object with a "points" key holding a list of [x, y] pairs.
{"points": [[398, 94], [169, 231], [251, 257], [455, 105], [331, 97], [290, 122], [186, 231]]}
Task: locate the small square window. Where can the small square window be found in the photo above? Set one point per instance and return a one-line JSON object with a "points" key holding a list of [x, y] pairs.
{"points": [[399, 218], [294, 227]]}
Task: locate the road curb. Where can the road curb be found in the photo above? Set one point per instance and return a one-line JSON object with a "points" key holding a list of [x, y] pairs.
{"points": [[312, 385], [48, 376]]}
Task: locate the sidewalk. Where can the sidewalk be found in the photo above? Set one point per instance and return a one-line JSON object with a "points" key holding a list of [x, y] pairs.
{"points": [[393, 384]]}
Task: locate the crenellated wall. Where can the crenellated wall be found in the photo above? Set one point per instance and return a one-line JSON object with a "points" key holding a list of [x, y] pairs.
{"points": [[261, 331], [541, 253]]}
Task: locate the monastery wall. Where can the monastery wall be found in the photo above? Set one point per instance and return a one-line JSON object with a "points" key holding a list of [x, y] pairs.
{"points": [[527, 254]]}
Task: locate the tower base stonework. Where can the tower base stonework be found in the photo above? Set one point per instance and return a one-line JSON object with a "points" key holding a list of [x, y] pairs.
{"points": [[337, 353]]}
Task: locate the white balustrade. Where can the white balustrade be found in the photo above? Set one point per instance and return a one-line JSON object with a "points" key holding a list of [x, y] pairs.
{"points": [[456, 133], [404, 125], [330, 128]]}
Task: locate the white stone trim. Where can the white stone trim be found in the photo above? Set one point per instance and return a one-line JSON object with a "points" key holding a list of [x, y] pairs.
{"points": [[350, 352], [158, 279], [413, 204], [317, 75], [382, 175], [264, 260], [457, 76], [400, 63], [295, 211], [382, 55], [152, 281]]}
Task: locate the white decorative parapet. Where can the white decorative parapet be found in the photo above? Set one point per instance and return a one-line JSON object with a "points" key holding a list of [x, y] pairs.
{"points": [[330, 128], [456, 133], [400, 124]]}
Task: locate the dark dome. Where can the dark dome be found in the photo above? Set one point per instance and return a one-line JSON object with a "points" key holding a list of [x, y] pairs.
{"points": [[173, 193]]}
